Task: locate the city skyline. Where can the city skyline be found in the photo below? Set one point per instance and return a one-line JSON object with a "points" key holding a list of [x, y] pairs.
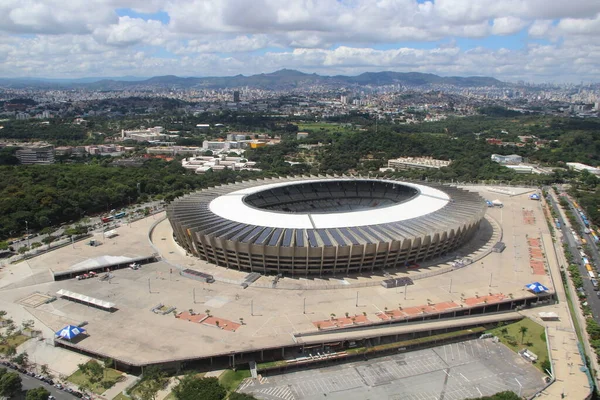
{"points": [[510, 40]]}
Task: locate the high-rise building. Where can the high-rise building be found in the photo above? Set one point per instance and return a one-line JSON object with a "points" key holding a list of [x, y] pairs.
{"points": [[236, 96], [36, 155]]}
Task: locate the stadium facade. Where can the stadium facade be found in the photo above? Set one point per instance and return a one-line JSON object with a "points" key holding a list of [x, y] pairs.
{"points": [[324, 226]]}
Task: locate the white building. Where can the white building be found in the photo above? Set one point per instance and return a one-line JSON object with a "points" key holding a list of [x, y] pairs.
{"points": [[202, 164], [583, 167], [417, 163], [511, 159], [146, 135], [40, 154]]}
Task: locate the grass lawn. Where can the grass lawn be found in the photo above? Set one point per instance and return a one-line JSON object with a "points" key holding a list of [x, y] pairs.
{"points": [[231, 379], [534, 339], [121, 396], [14, 341], [170, 396], [80, 379]]}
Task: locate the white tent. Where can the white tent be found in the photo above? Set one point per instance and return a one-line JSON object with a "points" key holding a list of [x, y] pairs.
{"points": [[111, 234], [86, 299], [548, 316]]}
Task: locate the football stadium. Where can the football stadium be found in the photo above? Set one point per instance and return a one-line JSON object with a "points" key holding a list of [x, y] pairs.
{"points": [[324, 226]]}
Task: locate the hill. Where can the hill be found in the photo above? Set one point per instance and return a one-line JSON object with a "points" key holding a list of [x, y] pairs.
{"points": [[282, 79]]}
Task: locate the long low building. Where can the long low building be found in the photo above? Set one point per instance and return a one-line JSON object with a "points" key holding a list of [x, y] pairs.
{"points": [[319, 226]]}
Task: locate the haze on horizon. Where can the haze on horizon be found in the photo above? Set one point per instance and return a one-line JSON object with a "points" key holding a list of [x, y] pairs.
{"points": [[530, 40]]}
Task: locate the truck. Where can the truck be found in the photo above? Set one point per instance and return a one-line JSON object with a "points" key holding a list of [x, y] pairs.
{"points": [[589, 267]]}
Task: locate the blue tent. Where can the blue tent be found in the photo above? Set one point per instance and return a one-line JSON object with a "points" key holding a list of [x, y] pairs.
{"points": [[536, 287], [69, 332]]}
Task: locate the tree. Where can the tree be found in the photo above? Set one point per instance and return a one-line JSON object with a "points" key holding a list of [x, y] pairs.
{"points": [[44, 369], [2, 313], [241, 396], [10, 351], [152, 381], [207, 312], [21, 359], [108, 362], [28, 324], [10, 384], [523, 330], [191, 387], [39, 393], [95, 371]]}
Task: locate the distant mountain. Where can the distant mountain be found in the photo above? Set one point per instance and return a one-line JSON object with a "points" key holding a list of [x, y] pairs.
{"points": [[282, 79]]}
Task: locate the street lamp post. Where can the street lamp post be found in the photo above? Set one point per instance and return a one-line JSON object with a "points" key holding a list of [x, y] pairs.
{"points": [[27, 232]]}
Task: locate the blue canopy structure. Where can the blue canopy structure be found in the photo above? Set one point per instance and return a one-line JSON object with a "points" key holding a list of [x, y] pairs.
{"points": [[69, 332], [536, 287]]}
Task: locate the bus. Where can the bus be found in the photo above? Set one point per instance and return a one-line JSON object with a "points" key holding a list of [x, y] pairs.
{"points": [[592, 275], [120, 215], [107, 219]]}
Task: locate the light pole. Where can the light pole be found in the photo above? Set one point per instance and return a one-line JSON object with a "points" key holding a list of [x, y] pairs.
{"points": [[27, 232], [304, 312]]}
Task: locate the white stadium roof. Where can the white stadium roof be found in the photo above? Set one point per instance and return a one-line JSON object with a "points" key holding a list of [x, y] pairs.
{"points": [[232, 207]]}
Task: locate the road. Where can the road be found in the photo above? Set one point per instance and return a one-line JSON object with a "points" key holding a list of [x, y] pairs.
{"points": [[30, 382], [92, 222], [592, 297]]}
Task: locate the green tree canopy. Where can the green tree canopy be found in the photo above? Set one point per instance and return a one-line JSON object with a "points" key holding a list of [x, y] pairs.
{"points": [[194, 388], [39, 393], [241, 396], [10, 384]]}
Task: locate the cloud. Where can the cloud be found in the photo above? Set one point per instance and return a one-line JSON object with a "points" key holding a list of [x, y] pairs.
{"points": [[209, 37]]}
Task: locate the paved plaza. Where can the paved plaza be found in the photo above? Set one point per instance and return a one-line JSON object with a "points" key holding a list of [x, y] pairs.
{"points": [[277, 316], [271, 316], [451, 372]]}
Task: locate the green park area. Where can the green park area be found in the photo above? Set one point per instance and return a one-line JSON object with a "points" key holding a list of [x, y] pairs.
{"points": [[95, 377], [231, 379], [525, 334], [12, 342]]}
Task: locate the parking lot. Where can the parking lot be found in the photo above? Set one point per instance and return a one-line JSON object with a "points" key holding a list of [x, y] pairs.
{"points": [[456, 371]]}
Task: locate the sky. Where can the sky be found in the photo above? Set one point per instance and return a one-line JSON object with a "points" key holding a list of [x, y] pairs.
{"points": [[512, 40]]}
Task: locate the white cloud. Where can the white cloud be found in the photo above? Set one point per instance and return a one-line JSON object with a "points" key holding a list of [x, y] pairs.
{"points": [[507, 25], [87, 37]]}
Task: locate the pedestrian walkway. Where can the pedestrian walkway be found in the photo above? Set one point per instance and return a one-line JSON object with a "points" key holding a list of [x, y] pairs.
{"points": [[119, 387]]}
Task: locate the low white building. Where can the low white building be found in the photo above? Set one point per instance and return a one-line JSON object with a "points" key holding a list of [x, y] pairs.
{"points": [[202, 164], [510, 159], [583, 167], [417, 163]]}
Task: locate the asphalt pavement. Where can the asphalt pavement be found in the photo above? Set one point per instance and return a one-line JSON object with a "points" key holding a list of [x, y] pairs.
{"points": [[592, 296], [30, 382]]}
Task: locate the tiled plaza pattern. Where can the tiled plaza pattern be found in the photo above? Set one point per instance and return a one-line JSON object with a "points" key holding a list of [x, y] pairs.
{"points": [[536, 257]]}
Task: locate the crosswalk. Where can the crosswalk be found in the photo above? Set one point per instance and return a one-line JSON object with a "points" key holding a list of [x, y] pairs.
{"points": [[278, 392], [248, 382]]}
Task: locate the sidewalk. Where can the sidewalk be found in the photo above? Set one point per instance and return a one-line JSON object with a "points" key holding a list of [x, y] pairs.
{"points": [[571, 382], [119, 387]]}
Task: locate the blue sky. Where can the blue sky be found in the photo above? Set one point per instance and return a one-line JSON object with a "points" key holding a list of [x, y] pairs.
{"points": [[532, 40]]}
